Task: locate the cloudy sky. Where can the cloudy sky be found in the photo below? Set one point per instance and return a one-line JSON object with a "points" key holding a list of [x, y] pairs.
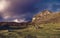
{"points": [[23, 10]]}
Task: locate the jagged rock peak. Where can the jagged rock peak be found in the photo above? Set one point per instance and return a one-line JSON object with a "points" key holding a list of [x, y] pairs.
{"points": [[45, 12], [42, 15], [46, 16]]}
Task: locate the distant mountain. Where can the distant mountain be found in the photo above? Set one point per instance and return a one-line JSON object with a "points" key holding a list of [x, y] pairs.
{"points": [[13, 25], [46, 16]]}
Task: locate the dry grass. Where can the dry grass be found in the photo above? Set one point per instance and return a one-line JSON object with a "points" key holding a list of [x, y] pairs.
{"points": [[47, 31]]}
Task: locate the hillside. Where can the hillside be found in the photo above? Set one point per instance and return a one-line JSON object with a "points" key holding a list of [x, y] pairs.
{"points": [[47, 17]]}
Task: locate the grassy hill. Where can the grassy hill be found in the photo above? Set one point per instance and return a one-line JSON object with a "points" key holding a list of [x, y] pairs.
{"points": [[44, 25], [49, 30]]}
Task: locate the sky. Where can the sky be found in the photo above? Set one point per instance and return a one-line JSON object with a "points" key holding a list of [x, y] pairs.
{"points": [[24, 10]]}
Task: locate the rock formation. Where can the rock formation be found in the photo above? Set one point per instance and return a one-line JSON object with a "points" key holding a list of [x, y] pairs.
{"points": [[46, 16]]}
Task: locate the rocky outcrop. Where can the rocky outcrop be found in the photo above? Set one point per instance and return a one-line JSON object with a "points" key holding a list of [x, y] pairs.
{"points": [[46, 16]]}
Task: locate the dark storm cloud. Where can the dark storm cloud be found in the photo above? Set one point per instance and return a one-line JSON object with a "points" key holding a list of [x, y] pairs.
{"points": [[19, 9], [22, 7]]}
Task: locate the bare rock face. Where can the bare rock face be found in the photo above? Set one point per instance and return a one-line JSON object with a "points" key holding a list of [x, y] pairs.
{"points": [[41, 16], [45, 16]]}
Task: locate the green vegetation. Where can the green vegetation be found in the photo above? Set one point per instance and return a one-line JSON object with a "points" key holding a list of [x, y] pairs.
{"points": [[34, 31]]}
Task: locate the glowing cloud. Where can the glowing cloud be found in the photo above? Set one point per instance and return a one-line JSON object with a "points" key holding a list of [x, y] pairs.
{"points": [[4, 5], [19, 20]]}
